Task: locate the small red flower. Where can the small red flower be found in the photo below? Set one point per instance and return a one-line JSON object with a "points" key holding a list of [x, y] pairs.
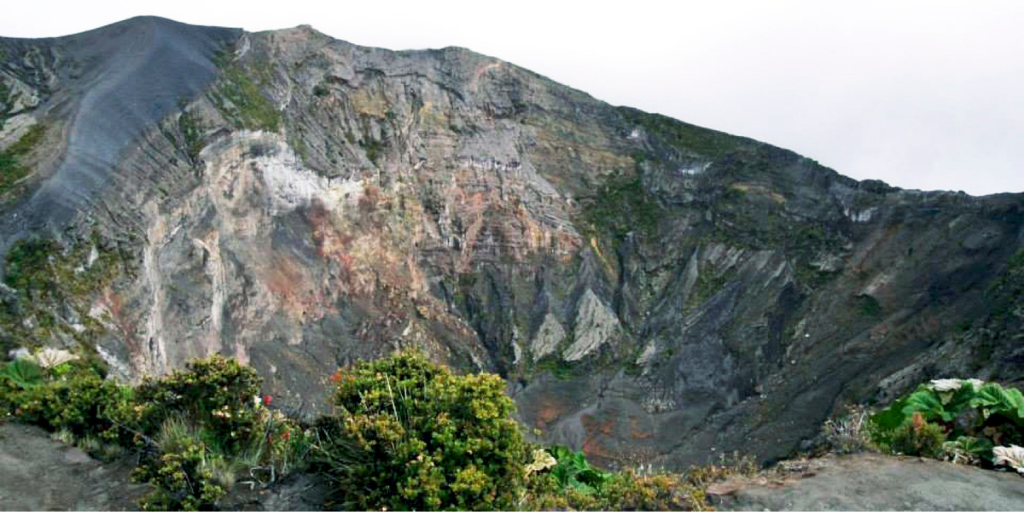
{"points": [[336, 377], [287, 435], [267, 399]]}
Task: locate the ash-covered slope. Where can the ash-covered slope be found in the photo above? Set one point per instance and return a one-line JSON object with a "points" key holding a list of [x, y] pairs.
{"points": [[651, 289], [105, 88]]}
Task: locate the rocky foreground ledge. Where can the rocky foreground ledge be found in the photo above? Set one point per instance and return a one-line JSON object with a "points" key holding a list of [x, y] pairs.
{"points": [[37, 473], [870, 481]]}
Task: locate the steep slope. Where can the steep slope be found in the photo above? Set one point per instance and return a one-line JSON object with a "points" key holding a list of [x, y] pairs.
{"points": [[107, 86], [653, 290]]}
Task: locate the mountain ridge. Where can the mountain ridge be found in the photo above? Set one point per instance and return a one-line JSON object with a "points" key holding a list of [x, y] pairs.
{"points": [[651, 289]]}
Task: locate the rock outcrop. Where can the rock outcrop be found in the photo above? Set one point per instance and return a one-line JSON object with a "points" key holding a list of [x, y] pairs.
{"points": [[652, 290]]}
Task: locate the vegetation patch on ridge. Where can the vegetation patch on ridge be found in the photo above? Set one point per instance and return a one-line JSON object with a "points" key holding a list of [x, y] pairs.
{"points": [[11, 167], [239, 96], [672, 132], [621, 206], [6, 102]]}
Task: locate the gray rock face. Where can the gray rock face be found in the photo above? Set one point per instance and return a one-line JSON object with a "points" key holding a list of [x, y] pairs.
{"points": [[596, 325], [651, 289], [549, 336]]}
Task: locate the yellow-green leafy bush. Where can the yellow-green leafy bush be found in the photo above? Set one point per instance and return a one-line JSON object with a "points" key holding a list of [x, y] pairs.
{"points": [[71, 396], [182, 480], [621, 490], [215, 392], [208, 423], [410, 434], [194, 429]]}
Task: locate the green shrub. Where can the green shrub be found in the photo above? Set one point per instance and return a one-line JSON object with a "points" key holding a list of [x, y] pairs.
{"points": [[409, 435], [572, 483], [79, 400], [986, 413], [196, 429], [622, 490], [208, 425], [412, 435], [573, 471], [627, 491], [216, 392], [568, 481], [182, 478], [918, 438]]}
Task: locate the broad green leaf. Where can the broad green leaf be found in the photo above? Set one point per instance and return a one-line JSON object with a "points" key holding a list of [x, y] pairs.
{"points": [[573, 470], [582, 487], [928, 404], [23, 372], [997, 399], [892, 417], [979, 447], [960, 399]]}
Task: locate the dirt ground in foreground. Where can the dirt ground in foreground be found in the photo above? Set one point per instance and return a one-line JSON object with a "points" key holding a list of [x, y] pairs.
{"points": [[38, 473], [871, 482]]}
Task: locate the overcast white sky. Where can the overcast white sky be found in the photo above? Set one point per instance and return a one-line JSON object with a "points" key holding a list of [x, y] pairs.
{"points": [[926, 95]]}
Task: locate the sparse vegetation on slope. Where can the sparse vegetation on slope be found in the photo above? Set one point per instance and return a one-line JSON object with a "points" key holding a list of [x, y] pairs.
{"points": [[622, 206], [702, 141], [239, 97], [12, 168], [49, 283], [191, 126], [6, 100]]}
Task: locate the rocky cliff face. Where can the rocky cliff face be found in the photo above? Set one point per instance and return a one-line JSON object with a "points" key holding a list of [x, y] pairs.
{"points": [[653, 291]]}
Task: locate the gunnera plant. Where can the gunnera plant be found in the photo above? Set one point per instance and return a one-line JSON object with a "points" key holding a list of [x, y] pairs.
{"points": [[973, 415]]}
